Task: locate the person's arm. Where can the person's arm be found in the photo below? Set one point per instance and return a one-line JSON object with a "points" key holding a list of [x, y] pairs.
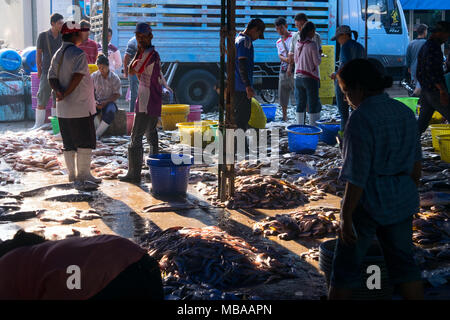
{"points": [[244, 77], [117, 60], [39, 62], [165, 82], [316, 58], [284, 59], [352, 195], [126, 63]]}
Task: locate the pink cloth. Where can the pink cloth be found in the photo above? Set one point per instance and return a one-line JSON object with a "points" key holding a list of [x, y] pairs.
{"points": [[307, 58], [39, 272], [90, 47]]}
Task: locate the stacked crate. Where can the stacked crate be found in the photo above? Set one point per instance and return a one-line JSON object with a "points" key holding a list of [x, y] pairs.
{"points": [[327, 67]]}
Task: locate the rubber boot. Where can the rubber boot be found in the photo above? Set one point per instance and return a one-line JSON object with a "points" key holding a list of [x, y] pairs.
{"points": [[313, 118], [135, 158], [69, 158], [40, 118], [300, 118], [101, 129], [84, 166], [96, 122]]}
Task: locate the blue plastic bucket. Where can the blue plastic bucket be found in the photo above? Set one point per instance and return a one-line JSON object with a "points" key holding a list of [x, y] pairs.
{"points": [[329, 131], [10, 60], [270, 111], [167, 177], [303, 138], [29, 60]]}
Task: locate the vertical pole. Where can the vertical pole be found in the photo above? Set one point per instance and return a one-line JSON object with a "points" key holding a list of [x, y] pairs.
{"points": [[366, 29], [105, 26], [221, 169], [411, 25]]}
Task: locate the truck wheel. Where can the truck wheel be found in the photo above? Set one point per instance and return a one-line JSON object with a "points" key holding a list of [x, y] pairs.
{"points": [[196, 87], [269, 95]]}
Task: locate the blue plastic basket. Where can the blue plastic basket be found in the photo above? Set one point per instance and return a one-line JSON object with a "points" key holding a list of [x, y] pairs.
{"points": [[169, 178], [270, 111], [303, 138], [329, 131]]}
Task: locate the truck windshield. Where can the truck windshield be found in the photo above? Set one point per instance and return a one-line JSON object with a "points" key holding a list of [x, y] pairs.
{"points": [[382, 14]]}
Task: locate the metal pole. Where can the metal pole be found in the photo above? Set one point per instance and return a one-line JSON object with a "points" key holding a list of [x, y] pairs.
{"points": [[221, 168], [105, 26], [366, 28]]}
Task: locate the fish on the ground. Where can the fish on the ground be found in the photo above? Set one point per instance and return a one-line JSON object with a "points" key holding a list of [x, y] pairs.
{"points": [[73, 197], [15, 216], [63, 232]]}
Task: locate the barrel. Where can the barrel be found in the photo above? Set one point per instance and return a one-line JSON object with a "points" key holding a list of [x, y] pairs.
{"points": [[12, 100], [374, 256], [10, 60], [29, 60]]}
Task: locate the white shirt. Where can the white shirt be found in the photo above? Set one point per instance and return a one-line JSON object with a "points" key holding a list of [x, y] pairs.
{"points": [[81, 102], [105, 88], [284, 48]]}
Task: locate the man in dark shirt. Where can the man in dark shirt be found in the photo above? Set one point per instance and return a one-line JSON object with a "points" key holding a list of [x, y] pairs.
{"points": [[48, 43], [430, 73]]}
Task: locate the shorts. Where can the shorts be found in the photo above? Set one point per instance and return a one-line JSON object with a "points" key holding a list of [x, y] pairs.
{"points": [[78, 133], [395, 241], [285, 88], [45, 91]]}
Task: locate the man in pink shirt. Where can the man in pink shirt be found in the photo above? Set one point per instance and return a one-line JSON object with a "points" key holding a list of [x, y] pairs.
{"points": [[96, 268], [90, 47]]}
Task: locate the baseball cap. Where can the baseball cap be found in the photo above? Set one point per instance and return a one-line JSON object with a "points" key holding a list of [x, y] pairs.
{"points": [[258, 23], [143, 27], [341, 30], [72, 27]]}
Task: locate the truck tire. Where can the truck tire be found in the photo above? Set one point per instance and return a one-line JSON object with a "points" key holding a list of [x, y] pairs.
{"points": [[269, 95], [196, 87]]}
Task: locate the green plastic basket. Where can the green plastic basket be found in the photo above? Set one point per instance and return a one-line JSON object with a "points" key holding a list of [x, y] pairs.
{"points": [[55, 124], [410, 102]]}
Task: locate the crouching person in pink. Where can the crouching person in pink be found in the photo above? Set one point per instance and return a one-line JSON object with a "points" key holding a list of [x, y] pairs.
{"points": [[147, 66], [75, 103]]}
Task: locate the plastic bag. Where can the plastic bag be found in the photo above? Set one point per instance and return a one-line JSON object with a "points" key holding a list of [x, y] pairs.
{"points": [[258, 118]]}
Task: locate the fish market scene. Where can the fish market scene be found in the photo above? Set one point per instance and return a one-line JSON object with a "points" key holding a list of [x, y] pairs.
{"points": [[225, 150]]}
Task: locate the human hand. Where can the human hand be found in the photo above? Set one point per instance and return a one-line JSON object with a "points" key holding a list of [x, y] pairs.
{"points": [[346, 232], [250, 92], [333, 75], [100, 105], [59, 95]]}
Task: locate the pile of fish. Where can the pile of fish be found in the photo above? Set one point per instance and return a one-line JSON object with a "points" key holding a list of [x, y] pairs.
{"points": [[31, 151], [109, 167], [68, 216], [210, 255], [311, 254], [306, 223], [63, 232], [258, 192], [431, 227], [6, 178], [431, 258], [181, 289]]}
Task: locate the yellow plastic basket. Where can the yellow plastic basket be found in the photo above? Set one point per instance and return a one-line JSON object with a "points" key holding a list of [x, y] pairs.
{"points": [[188, 131], [444, 146], [171, 114], [435, 119], [438, 130], [92, 68]]}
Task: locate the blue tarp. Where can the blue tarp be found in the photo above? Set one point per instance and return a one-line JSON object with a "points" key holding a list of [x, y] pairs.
{"points": [[425, 4]]}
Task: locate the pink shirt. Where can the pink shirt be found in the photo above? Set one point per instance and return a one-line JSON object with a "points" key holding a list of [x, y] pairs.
{"points": [[307, 59], [39, 272], [90, 47]]}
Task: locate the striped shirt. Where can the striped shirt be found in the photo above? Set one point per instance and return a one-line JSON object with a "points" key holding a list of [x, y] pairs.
{"points": [[381, 145]]}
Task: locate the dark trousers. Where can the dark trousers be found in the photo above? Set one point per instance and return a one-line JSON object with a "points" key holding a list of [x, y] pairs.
{"points": [[242, 109], [108, 112], [140, 280], [430, 102], [342, 106], [145, 124], [78, 133], [307, 93]]}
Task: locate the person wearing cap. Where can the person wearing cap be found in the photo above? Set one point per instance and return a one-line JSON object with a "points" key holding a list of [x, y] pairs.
{"points": [[285, 82], [69, 77], [300, 20], [350, 50], [146, 64], [90, 47], [115, 59], [107, 90], [245, 61], [412, 52], [48, 43], [430, 74]]}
